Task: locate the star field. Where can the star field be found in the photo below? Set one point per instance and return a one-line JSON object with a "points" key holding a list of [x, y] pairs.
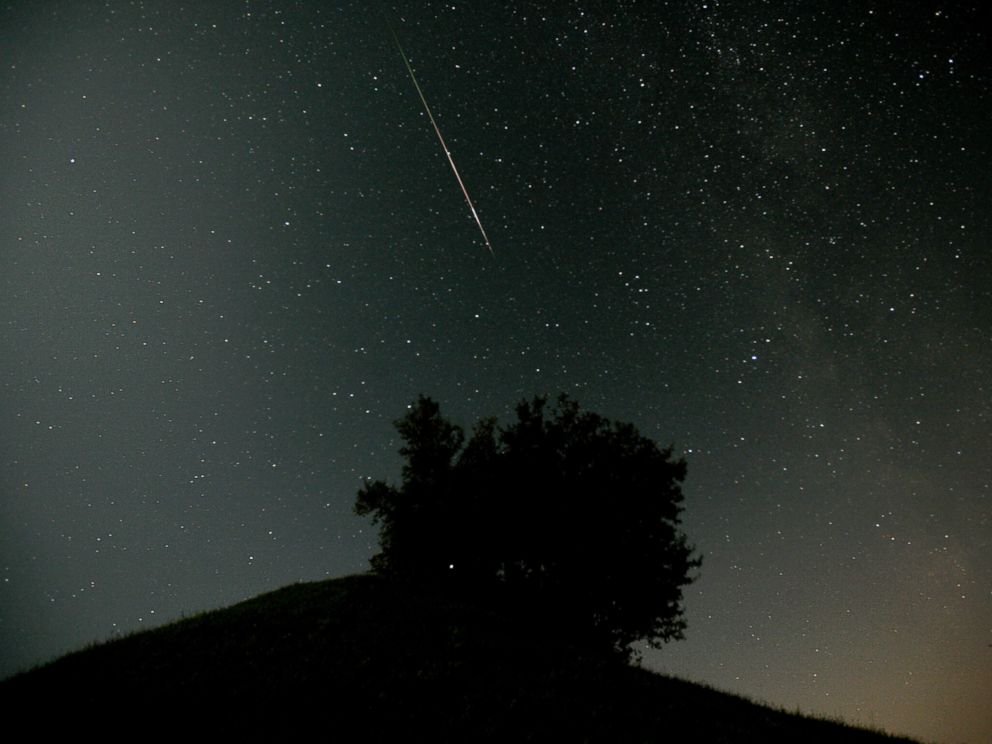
{"points": [[232, 252]]}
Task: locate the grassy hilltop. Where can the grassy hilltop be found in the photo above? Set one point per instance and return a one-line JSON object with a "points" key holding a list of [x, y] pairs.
{"points": [[363, 659]]}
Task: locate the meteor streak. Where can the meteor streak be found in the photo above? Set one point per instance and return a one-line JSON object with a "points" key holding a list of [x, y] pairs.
{"points": [[447, 152]]}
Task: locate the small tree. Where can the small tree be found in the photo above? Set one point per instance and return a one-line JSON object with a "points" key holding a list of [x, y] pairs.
{"points": [[570, 515]]}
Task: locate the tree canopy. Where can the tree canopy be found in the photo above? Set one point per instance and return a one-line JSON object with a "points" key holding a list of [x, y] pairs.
{"points": [[563, 512]]}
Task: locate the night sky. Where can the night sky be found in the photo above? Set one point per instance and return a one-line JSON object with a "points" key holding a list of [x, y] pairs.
{"points": [[232, 252]]}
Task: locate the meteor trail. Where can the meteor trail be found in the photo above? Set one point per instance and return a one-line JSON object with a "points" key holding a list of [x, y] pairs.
{"points": [[437, 130]]}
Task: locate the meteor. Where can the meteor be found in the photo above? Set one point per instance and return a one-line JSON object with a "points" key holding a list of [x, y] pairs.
{"points": [[447, 152]]}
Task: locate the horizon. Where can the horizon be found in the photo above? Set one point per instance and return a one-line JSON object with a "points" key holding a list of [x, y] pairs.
{"points": [[632, 663]]}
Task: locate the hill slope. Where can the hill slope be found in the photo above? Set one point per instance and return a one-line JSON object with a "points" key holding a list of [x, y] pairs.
{"points": [[360, 658]]}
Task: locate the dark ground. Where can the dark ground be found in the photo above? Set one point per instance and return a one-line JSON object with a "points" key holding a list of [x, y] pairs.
{"points": [[362, 659]]}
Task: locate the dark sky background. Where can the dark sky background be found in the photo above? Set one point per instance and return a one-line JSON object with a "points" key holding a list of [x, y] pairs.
{"points": [[232, 251]]}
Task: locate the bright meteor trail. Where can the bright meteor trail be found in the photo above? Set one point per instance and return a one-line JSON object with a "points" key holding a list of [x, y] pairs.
{"points": [[451, 160]]}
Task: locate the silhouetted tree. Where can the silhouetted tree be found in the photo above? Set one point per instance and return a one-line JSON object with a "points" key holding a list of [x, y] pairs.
{"points": [[570, 516]]}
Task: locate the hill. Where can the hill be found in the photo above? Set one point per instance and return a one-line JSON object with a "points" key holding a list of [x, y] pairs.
{"points": [[363, 659]]}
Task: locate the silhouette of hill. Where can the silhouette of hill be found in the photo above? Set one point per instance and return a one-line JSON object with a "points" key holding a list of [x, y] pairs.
{"points": [[363, 659]]}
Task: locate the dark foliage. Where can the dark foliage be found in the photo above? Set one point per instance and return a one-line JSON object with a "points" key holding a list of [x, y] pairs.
{"points": [[568, 517]]}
